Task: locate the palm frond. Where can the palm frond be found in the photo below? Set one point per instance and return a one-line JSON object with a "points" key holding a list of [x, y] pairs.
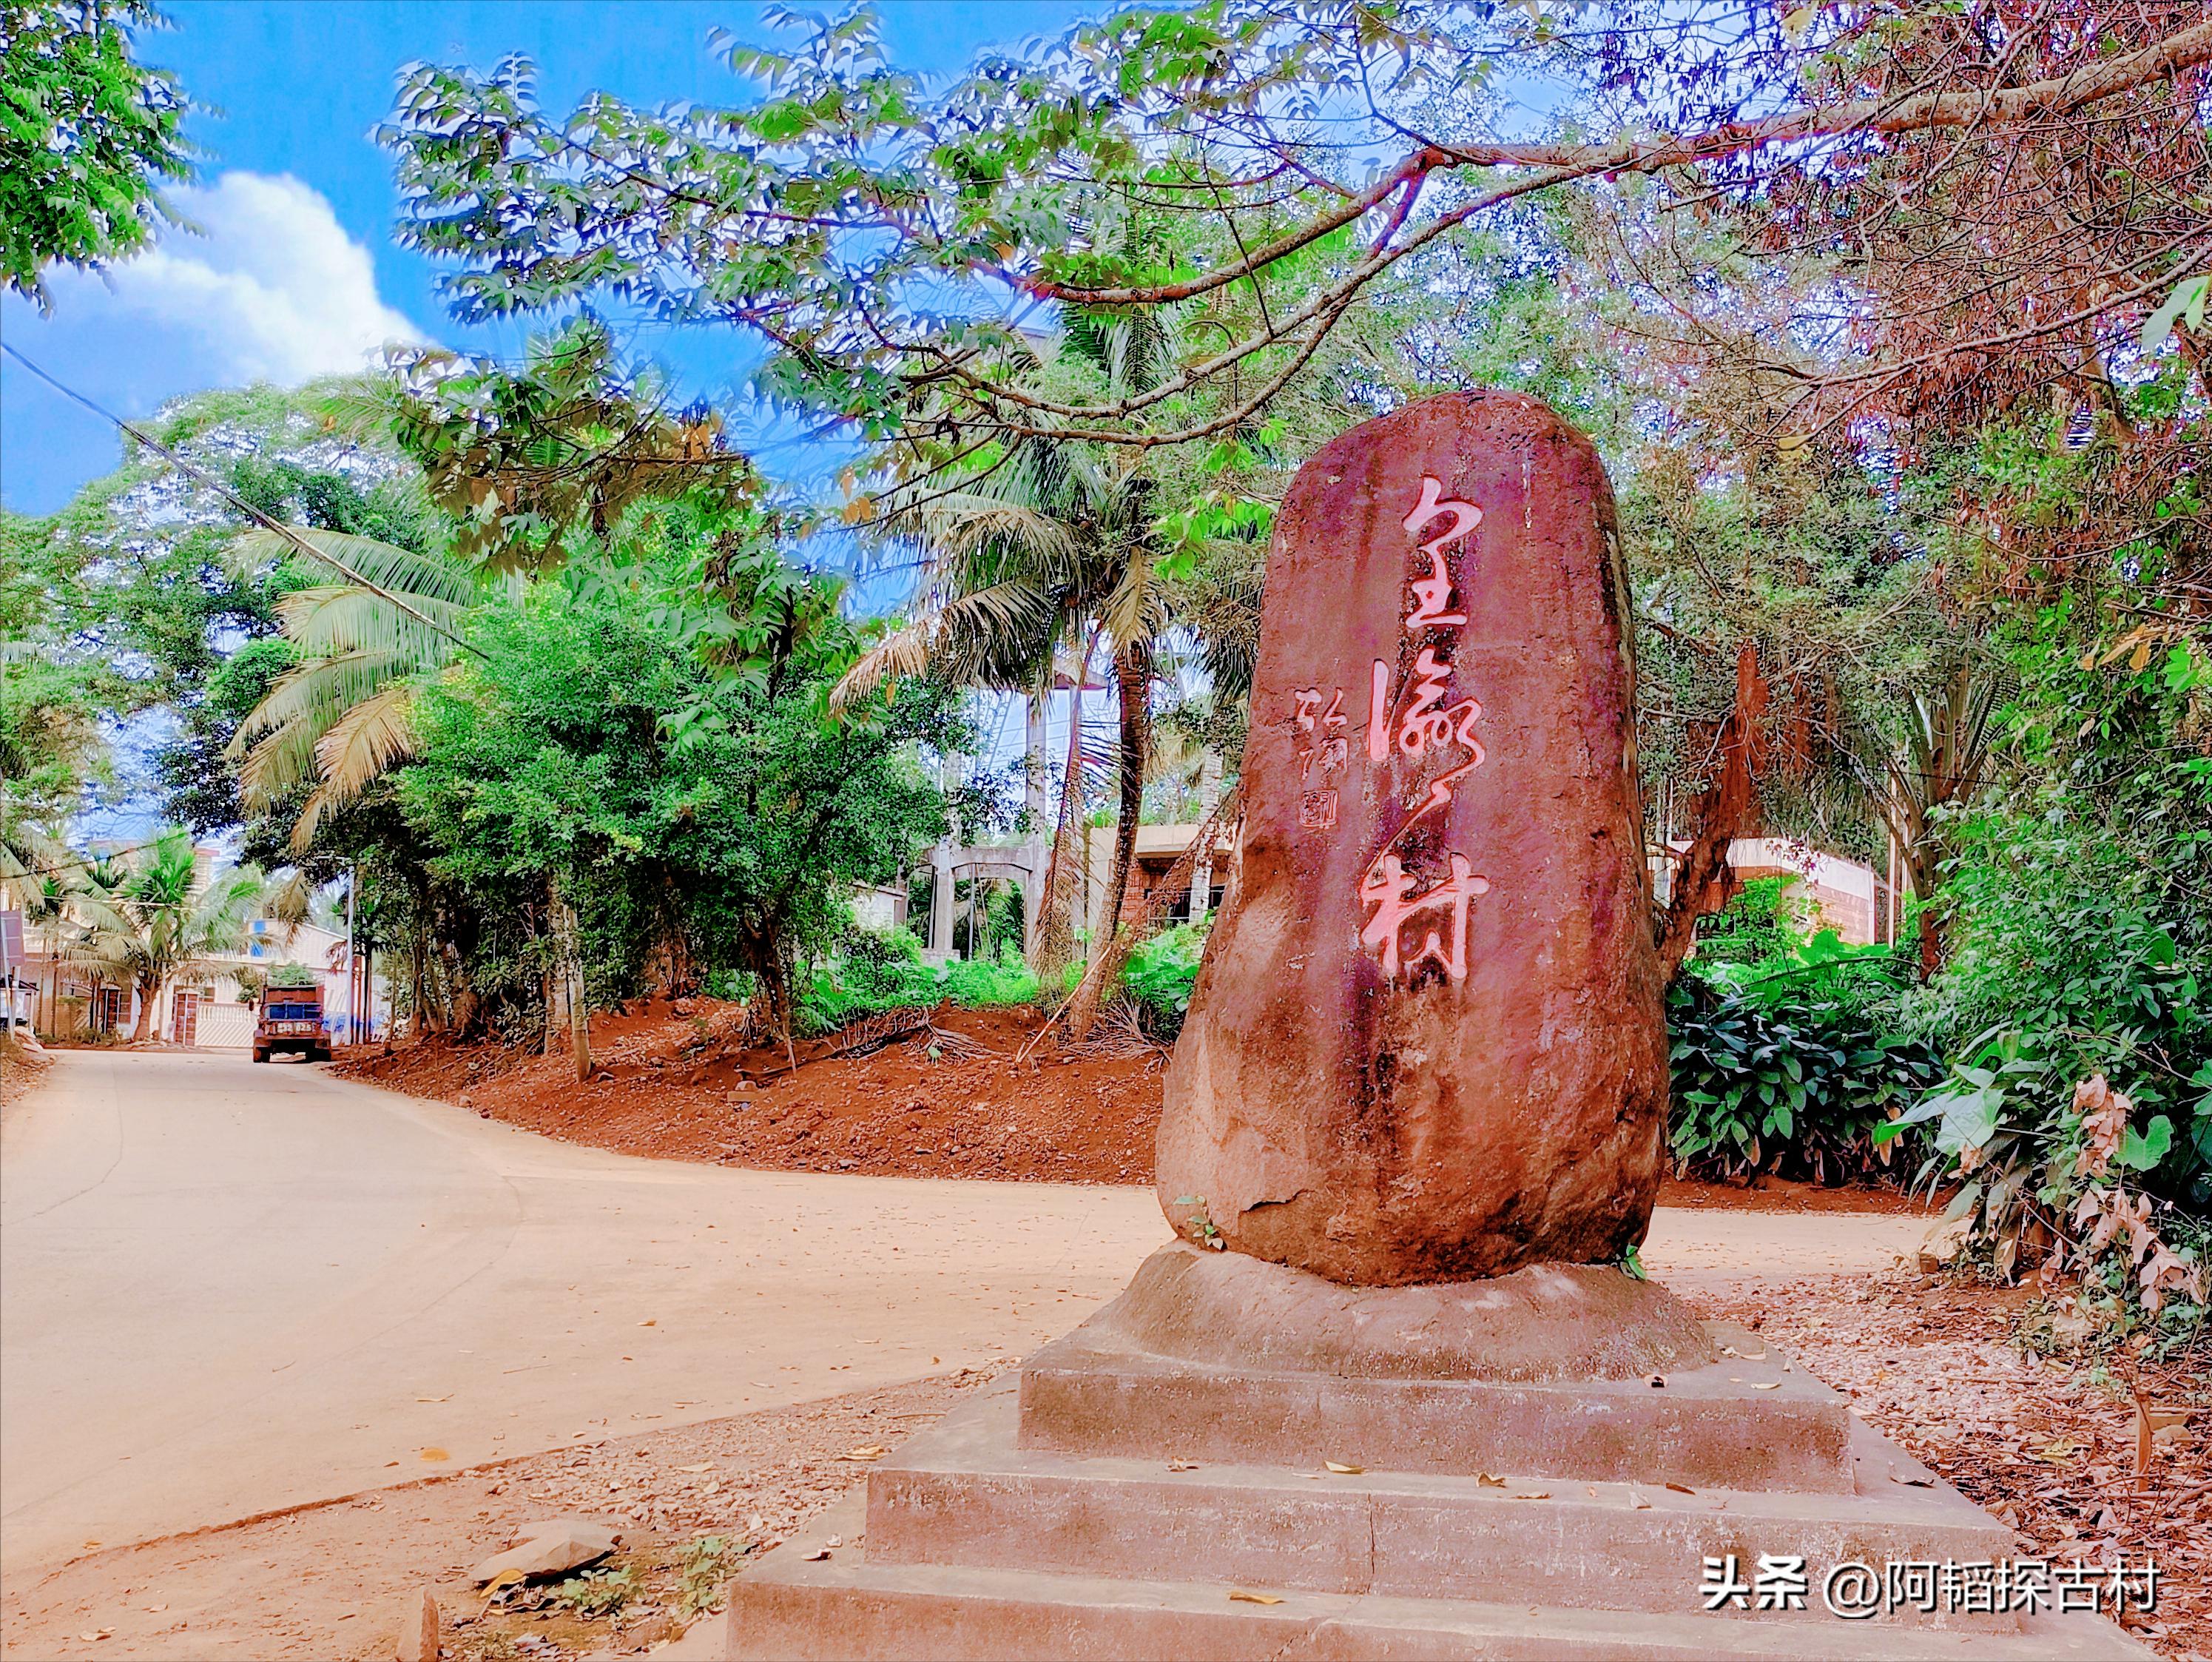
{"points": [[359, 748], [340, 618], [418, 577], [903, 652]]}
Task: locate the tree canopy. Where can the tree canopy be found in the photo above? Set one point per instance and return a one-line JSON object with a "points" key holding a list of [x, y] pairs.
{"points": [[88, 135]]}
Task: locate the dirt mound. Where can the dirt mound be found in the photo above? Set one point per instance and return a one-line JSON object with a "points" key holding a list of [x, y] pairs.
{"points": [[23, 1063], [950, 1098], [955, 1098]]}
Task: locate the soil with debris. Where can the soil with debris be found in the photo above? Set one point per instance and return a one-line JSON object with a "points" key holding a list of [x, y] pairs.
{"points": [[22, 1066], [2053, 1447], [955, 1098], [331, 1580], [962, 1094]]}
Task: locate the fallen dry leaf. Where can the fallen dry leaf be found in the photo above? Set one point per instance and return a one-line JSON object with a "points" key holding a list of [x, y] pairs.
{"points": [[448, 1398], [1638, 1502], [1534, 1494], [1342, 1470], [1183, 1465], [1237, 1595], [818, 1554], [1682, 1489], [866, 1451], [1913, 1482], [1484, 1479]]}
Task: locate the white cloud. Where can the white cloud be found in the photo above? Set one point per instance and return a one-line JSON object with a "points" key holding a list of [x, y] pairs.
{"points": [[274, 290]]}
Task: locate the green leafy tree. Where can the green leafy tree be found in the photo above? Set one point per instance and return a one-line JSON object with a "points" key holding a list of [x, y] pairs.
{"points": [[714, 822], [87, 134], [882, 234]]}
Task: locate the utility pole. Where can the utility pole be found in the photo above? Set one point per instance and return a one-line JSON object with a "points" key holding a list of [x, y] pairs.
{"points": [[353, 971]]}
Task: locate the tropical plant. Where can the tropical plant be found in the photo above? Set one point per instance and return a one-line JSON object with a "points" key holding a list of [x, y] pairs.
{"points": [[164, 923], [337, 719], [1161, 976], [1037, 554], [45, 897], [1944, 761], [709, 821], [1797, 1085]]}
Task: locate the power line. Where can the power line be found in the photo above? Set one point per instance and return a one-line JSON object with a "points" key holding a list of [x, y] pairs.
{"points": [[193, 471]]}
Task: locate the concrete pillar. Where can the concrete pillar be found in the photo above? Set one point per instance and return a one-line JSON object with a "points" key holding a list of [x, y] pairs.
{"points": [[1037, 848], [940, 902], [1201, 867], [1033, 769]]}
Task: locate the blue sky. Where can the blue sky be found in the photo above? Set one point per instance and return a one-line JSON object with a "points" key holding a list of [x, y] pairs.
{"points": [[296, 274]]}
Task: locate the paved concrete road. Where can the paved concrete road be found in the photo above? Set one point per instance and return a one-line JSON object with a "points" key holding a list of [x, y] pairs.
{"points": [[227, 1289]]}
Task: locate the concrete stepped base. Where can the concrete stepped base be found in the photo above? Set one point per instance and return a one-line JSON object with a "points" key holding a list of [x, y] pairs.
{"points": [[848, 1605], [965, 1494], [1141, 1470], [1745, 1422]]}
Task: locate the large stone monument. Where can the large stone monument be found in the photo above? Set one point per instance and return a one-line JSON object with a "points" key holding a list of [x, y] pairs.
{"points": [[1427, 1042], [1393, 1394]]}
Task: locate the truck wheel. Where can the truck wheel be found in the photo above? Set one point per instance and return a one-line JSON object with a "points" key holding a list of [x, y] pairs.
{"points": [[260, 1055], [319, 1055]]}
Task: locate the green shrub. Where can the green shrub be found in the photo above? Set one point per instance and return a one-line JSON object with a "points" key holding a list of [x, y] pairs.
{"points": [[1786, 1082], [1160, 975], [882, 972], [1759, 925], [598, 1593]]}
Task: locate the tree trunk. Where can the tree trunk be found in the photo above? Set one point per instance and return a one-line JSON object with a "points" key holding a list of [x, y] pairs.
{"points": [[1723, 811], [1106, 968], [570, 952], [1931, 942], [1133, 675], [143, 1028], [428, 1019], [1064, 876]]}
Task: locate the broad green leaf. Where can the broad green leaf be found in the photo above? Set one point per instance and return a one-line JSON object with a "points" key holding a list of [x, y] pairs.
{"points": [[2140, 1154]]}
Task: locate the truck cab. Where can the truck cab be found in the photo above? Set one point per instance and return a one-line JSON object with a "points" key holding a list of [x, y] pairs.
{"points": [[290, 1019]]}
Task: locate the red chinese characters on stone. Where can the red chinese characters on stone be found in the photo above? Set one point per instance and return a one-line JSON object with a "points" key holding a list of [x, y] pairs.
{"points": [[1432, 593], [1427, 1042], [1420, 725], [1389, 890]]}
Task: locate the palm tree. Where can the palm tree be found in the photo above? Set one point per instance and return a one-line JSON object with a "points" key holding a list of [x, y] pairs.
{"points": [[340, 717], [46, 904], [1032, 566], [1943, 762], [162, 922]]}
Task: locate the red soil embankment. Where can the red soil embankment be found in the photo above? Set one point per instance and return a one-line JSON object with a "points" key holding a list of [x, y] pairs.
{"points": [[663, 1090], [970, 1111]]}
